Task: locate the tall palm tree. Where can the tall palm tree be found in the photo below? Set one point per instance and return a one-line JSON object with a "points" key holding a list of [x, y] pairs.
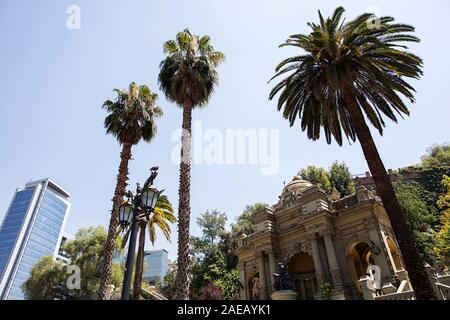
{"points": [[348, 70], [161, 217], [131, 118], [187, 77]]}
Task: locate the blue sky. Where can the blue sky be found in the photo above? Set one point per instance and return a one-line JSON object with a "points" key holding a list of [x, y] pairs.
{"points": [[54, 80]]}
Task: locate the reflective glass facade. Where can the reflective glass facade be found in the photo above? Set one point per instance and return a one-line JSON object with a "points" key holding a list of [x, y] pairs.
{"points": [[156, 265], [9, 231], [41, 237]]}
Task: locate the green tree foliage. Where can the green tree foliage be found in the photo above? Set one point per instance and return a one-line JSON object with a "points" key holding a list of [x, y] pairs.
{"points": [[131, 116], [243, 221], [341, 178], [211, 268], [213, 261], [45, 280], [213, 225], [426, 195], [318, 176], [437, 155], [188, 73], [442, 236], [432, 188], [420, 218], [48, 279], [167, 285], [211, 292], [338, 176]]}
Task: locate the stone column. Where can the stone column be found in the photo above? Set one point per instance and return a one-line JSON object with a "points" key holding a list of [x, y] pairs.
{"points": [[303, 289], [243, 281], [262, 275], [313, 287], [366, 284], [332, 260], [353, 271], [317, 262], [391, 258], [381, 260], [272, 270]]}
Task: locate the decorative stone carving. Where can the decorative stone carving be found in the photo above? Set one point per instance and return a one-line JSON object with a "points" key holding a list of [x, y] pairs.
{"points": [[241, 240], [292, 192], [287, 254], [335, 195], [363, 194], [306, 247], [336, 276], [287, 199], [301, 222], [314, 228]]}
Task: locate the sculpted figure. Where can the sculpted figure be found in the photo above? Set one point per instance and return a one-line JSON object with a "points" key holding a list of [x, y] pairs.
{"points": [[282, 278]]}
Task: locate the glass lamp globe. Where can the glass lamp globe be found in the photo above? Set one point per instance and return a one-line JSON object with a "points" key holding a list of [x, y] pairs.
{"points": [[150, 197], [125, 214]]}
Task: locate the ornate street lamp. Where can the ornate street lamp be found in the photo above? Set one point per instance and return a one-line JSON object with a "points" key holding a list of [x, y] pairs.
{"points": [[125, 214], [150, 197], [142, 203], [374, 249]]}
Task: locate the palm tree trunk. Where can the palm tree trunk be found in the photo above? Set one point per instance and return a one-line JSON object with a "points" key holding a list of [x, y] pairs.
{"points": [[119, 192], [414, 265], [184, 208], [139, 264]]}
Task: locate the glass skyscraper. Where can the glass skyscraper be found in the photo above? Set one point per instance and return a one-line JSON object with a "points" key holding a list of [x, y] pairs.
{"points": [[156, 265], [31, 229]]}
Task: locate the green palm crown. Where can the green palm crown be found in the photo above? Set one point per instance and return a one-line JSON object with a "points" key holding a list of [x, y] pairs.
{"points": [[363, 57], [131, 115], [187, 74]]}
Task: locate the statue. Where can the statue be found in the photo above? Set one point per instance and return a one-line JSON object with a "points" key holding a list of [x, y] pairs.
{"points": [[255, 289], [282, 278], [283, 285]]}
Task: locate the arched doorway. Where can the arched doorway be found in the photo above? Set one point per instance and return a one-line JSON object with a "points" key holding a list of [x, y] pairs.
{"points": [[302, 271], [360, 257], [397, 259], [253, 287]]}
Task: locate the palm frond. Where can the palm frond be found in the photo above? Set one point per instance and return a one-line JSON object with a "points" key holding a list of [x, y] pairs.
{"points": [[188, 74], [131, 116], [373, 61]]}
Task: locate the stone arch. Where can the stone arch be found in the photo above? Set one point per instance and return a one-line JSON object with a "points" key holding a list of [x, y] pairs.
{"points": [[287, 255], [359, 257], [395, 253], [302, 271], [301, 262], [351, 242]]}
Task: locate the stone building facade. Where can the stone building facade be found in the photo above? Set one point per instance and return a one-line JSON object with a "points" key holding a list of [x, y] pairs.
{"points": [[321, 240]]}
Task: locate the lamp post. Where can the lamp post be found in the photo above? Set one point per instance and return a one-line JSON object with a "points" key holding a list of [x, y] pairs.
{"points": [[374, 249], [138, 206]]}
